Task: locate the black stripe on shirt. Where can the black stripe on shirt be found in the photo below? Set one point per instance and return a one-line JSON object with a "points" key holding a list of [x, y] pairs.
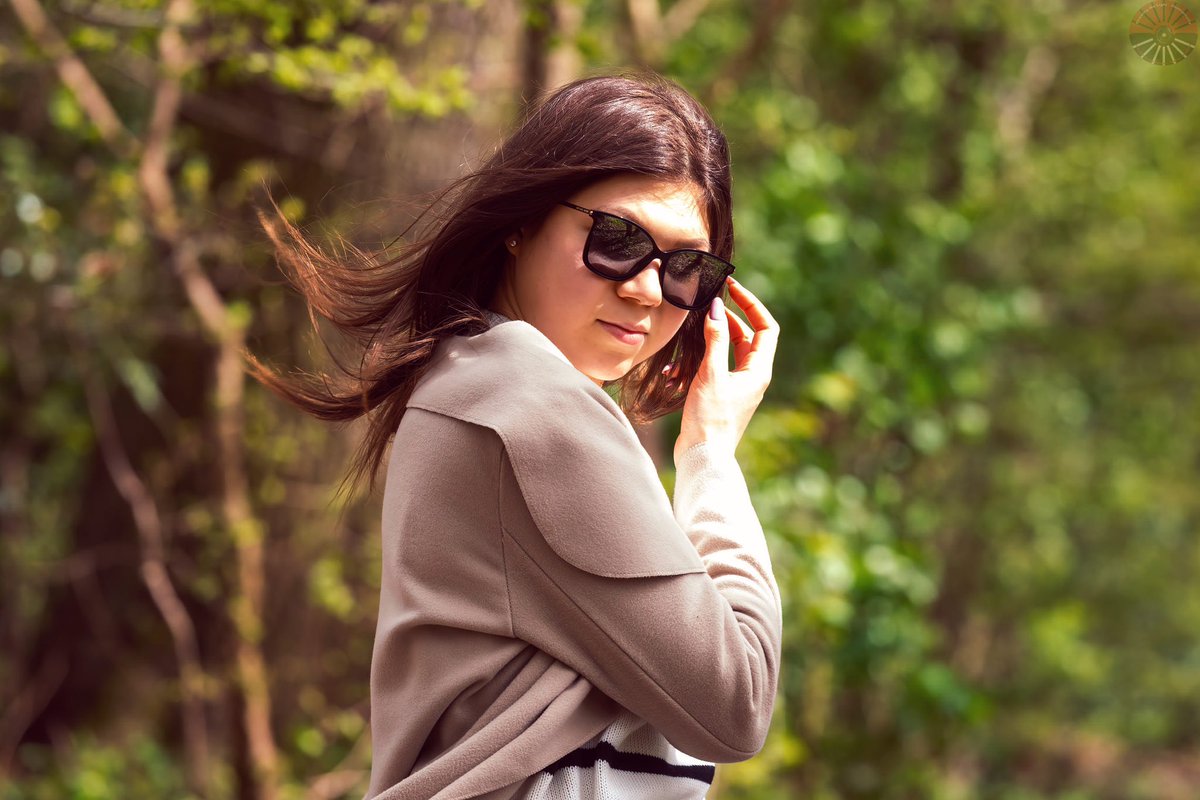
{"points": [[584, 757]]}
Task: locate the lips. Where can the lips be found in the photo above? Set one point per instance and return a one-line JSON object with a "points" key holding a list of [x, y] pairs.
{"points": [[624, 335], [630, 328]]}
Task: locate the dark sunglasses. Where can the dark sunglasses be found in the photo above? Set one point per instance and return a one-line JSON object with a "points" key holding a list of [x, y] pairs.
{"points": [[618, 249]]}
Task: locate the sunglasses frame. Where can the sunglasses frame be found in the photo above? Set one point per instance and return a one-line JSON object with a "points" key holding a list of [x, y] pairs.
{"points": [[644, 262]]}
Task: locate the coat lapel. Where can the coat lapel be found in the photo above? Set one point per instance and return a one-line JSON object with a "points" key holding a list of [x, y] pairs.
{"points": [[590, 486]]}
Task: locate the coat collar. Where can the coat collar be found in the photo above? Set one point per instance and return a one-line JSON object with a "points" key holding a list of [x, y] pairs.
{"points": [[525, 332], [571, 447]]}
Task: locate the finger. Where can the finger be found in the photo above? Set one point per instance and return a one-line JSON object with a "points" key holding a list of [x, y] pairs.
{"points": [[753, 308], [742, 337], [738, 329], [716, 341], [766, 329]]}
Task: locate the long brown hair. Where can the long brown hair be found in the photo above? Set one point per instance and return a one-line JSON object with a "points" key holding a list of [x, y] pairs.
{"points": [[397, 308]]}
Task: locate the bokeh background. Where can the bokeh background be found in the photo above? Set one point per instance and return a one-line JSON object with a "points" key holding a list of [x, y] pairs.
{"points": [[976, 464]]}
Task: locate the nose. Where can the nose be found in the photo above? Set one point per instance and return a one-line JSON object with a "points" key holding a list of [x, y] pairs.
{"points": [[645, 287]]}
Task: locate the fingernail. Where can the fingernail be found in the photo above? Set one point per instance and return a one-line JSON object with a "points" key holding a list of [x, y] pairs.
{"points": [[715, 310]]}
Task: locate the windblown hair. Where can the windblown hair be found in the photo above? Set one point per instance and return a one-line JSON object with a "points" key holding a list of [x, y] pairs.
{"points": [[399, 307]]}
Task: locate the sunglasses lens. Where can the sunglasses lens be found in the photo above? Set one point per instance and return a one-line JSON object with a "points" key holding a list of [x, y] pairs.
{"points": [[616, 246], [692, 278]]}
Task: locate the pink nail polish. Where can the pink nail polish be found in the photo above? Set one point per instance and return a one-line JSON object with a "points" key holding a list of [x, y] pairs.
{"points": [[714, 311]]}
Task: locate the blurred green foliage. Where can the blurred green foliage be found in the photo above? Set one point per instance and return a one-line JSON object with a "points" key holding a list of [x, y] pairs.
{"points": [[976, 462]]}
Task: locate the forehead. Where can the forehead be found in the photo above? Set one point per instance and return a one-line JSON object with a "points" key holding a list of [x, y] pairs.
{"points": [[673, 213]]}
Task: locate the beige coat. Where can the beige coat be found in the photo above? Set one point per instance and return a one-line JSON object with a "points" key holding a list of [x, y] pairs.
{"points": [[536, 579]]}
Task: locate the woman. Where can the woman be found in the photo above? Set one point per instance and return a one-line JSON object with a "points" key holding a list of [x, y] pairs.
{"points": [[550, 626]]}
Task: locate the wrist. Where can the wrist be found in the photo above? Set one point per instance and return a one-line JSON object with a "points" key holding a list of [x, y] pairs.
{"points": [[714, 443]]}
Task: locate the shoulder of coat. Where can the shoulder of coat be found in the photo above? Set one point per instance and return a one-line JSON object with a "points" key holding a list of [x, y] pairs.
{"points": [[513, 375]]}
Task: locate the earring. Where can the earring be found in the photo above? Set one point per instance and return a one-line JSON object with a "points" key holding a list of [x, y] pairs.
{"points": [[512, 243]]}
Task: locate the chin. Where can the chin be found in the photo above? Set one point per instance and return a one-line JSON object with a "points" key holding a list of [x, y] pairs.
{"points": [[609, 371], [607, 374]]}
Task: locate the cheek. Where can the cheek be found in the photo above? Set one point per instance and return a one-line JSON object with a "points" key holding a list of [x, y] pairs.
{"points": [[562, 268], [549, 278]]}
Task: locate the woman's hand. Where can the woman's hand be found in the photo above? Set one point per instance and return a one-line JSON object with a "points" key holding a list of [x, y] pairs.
{"points": [[721, 401]]}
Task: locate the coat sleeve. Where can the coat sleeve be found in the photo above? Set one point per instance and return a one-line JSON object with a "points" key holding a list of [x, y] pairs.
{"points": [[672, 612]]}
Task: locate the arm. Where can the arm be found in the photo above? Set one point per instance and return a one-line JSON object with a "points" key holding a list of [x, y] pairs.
{"points": [[712, 505], [695, 653]]}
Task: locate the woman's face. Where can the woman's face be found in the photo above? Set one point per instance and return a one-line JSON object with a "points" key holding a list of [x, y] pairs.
{"points": [[548, 285]]}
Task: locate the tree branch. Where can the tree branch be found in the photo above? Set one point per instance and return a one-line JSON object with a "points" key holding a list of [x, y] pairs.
{"points": [[155, 575], [653, 32], [343, 777], [76, 77], [27, 703], [681, 17], [644, 19], [1014, 115], [757, 47], [175, 58]]}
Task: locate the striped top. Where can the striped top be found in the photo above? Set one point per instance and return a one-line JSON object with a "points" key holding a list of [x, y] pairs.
{"points": [[628, 759]]}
